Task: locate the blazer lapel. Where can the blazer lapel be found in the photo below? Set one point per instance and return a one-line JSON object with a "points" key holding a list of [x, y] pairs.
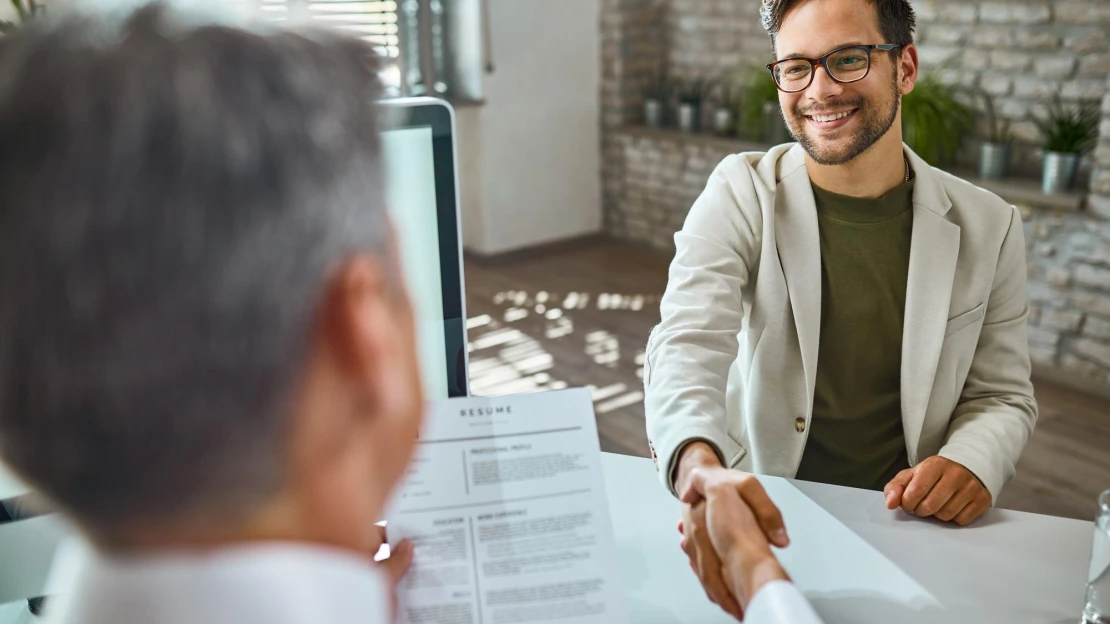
{"points": [[934, 249], [799, 250]]}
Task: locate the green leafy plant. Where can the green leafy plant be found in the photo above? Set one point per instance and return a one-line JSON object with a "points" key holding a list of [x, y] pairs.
{"points": [[934, 122], [694, 91], [1070, 130], [998, 130], [25, 10], [759, 89]]}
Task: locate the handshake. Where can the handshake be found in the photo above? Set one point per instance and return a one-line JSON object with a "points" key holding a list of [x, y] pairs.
{"points": [[729, 523]]}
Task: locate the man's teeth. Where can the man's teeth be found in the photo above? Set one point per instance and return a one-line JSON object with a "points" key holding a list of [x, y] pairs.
{"points": [[832, 117]]}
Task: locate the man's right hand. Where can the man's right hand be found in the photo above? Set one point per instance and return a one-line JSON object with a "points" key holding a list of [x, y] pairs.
{"points": [[699, 461], [741, 523]]}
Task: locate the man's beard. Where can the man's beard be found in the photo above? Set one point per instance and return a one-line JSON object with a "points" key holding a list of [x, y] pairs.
{"points": [[875, 121]]}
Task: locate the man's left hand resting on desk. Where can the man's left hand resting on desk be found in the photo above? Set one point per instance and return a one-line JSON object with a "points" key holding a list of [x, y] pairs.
{"points": [[941, 488]]}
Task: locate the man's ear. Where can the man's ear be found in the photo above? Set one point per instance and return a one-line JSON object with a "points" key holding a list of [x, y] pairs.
{"points": [[360, 327], [907, 69]]}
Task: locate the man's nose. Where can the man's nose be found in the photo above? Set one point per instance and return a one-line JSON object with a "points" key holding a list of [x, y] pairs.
{"points": [[823, 86]]}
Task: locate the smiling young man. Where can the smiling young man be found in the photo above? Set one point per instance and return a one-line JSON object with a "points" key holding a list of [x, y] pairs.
{"points": [[837, 309]]}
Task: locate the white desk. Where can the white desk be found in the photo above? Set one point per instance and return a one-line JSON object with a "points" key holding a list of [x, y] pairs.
{"points": [[10, 487], [855, 561], [27, 549], [858, 563]]}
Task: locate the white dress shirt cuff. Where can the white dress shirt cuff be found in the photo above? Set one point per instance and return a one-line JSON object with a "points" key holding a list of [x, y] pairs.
{"points": [[780, 602]]}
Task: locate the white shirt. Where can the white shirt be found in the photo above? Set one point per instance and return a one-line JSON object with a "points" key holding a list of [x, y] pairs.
{"points": [[780, 602], [267, 583], [275, 584]]}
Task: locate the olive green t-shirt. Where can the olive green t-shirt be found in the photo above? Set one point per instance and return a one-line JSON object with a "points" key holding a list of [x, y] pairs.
{"points": [[856, 437]]}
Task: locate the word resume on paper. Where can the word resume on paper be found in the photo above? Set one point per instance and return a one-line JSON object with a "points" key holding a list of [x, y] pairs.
{"points": [[505, 505]]}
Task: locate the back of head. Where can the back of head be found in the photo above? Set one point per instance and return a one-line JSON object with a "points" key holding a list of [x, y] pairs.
{"points": [[172, 196]]}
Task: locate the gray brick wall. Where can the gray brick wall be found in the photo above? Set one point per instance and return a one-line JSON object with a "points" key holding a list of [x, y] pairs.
{"points": [[661, 177], [1069, 292], [1020, 51], [1099, 202]]}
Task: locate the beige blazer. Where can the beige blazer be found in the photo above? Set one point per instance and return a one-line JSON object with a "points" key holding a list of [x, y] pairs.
{"points": [[734, 357]]}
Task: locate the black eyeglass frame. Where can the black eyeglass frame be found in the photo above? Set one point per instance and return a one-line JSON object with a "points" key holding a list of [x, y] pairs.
{"points": [[824, 62]]}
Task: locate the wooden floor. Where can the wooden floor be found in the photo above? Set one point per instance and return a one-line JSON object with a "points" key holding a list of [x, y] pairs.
{"points": [[581, 316]]}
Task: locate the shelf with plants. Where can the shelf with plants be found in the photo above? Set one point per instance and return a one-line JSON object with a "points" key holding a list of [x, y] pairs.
{"points": [[743, 107], [742, 114]]}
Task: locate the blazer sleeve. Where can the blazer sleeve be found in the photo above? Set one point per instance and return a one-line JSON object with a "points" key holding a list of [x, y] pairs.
{"points": [[997, 412], [691, 350]]}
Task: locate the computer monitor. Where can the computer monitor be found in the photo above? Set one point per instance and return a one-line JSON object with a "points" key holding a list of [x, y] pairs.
{"points": [[422, 193]]}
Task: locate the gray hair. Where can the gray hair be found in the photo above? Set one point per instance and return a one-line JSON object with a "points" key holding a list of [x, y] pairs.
{"points": [[172, 199]]}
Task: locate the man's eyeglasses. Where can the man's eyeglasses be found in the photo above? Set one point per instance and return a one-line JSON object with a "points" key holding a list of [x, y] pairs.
{"points": [[849, 64]]}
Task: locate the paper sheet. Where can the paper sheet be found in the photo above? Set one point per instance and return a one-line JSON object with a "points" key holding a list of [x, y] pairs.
{"points": [[505, 504]]}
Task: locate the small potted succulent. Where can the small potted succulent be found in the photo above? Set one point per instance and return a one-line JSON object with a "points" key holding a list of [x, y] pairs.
{"points": [[996, 148], [1068, 132], [728, 107], [691, 96], [655, 101]]}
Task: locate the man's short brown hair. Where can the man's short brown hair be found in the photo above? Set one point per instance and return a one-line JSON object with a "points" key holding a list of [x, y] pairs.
{"points": [[897, 20]]}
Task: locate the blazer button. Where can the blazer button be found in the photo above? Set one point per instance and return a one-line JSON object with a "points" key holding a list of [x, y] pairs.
{"points": [[800, 424]]}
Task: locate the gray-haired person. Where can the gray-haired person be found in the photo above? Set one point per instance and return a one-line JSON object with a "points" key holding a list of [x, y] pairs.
{"points": [[207, 356]]}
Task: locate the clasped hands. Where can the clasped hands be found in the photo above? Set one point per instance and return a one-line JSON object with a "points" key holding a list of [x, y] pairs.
{"points": [[729, 523]]}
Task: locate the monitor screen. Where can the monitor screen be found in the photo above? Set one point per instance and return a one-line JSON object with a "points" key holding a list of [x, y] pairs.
{"points": [[411, 195]]}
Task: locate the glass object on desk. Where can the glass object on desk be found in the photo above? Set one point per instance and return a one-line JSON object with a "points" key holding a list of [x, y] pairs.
{"points": [[1097, 610]]}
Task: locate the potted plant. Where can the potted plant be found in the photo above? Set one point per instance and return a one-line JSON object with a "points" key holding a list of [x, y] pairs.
{"points": [[996, 148], [690, 99], [761, 119], [1068, 132], [728, 107], [24, 10], [655, 101], [934, 122]]}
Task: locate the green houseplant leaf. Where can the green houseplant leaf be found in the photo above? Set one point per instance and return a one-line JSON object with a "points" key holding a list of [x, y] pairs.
{"points": [[998, 130], [759, 88], [20, 10], [1069, 130], [934, 122], [25, 10]]}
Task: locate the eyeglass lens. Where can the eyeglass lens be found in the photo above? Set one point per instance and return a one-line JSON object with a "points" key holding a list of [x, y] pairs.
{"points": [[845, 65]]}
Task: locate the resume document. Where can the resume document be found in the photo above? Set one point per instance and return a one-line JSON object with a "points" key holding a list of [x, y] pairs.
{"points": [[505, 504]]}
